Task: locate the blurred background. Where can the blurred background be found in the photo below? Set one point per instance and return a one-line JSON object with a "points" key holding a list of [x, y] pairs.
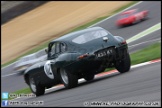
{"points": [[29, 24], [12, 9]]}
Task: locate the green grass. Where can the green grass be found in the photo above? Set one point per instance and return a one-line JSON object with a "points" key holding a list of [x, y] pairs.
{"points": [[109, 69], [144, 55], [44, 45], [18, 92], [22, 91], [149, 53]]}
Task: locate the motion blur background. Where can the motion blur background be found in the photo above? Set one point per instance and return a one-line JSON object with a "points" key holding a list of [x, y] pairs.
{"points": [[12, 9], [28, 24]]}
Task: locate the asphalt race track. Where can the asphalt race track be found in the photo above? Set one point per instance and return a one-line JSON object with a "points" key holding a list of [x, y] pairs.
{"points": [[140, 84]]}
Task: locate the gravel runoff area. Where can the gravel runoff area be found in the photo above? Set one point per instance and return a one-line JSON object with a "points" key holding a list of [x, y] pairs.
{"points": [[49, 21]]}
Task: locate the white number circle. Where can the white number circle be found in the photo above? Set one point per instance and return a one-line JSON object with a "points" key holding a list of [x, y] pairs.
{"points": [[48, 70]]}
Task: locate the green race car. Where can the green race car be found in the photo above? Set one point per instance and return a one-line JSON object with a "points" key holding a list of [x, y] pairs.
{"points": [[80, 54]]}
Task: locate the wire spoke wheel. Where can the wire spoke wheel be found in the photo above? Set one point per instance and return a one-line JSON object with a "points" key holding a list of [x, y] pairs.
{"points": [[32, 84], [36, 87], [68, 79], [64, 76]]}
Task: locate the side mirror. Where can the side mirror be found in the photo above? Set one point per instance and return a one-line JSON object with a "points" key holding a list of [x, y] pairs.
{"points": [[46, 50]]}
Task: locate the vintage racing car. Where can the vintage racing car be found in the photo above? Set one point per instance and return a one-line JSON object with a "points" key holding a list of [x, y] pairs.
{"points": [[131, 17], [24, 62], [80, 54]]}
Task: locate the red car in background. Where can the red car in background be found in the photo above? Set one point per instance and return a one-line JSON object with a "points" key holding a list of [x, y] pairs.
{"points": [[131, 17]]}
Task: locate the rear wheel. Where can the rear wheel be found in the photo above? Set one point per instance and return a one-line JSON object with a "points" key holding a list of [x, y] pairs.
{"points": [[135, 22], [69, 80], [144, 18], [120, 26], [124, 65], [89, 76], [35, 87]]}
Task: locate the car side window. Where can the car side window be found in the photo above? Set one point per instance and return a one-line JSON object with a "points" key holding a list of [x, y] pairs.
{"points": [[53, 48], [63, 47], [57, 48]]}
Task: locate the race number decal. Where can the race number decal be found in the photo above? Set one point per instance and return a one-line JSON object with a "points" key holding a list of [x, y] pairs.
{"points": [[48, 70]]}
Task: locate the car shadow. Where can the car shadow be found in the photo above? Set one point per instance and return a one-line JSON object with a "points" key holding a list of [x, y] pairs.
{"points": [[61, 89], [98, 79]]}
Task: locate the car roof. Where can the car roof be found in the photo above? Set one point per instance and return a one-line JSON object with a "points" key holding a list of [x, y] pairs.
{"points": [[70, 36], [129, 11]]}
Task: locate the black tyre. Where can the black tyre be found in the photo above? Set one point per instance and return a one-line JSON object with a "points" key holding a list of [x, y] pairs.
{"points": [[123, 65], [89, 76], [35, 87], [145, 18], [120, 26], [69, 80]]}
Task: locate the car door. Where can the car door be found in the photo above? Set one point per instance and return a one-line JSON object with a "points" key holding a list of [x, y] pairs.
{"points": [[53, 53]]}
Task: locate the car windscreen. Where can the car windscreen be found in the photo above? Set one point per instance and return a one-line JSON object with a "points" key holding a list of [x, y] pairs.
{"points": [[89, 36], [124, 16]]}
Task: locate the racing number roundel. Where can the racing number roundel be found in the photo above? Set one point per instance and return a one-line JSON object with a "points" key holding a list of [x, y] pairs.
{"points": [[48, 70]]}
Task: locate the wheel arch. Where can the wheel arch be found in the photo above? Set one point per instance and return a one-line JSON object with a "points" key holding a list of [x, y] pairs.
{"points": [[26, 78]]}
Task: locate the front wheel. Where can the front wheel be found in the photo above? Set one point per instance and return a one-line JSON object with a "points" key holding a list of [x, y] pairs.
{"points": [[145, 18], [35, 87], [69, 80], [124, 65]]}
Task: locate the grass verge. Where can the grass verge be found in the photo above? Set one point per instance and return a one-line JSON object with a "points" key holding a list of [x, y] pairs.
{"points": [[22, 91], [44, 45], [144, 55], [18, 92], [149, 53]]}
